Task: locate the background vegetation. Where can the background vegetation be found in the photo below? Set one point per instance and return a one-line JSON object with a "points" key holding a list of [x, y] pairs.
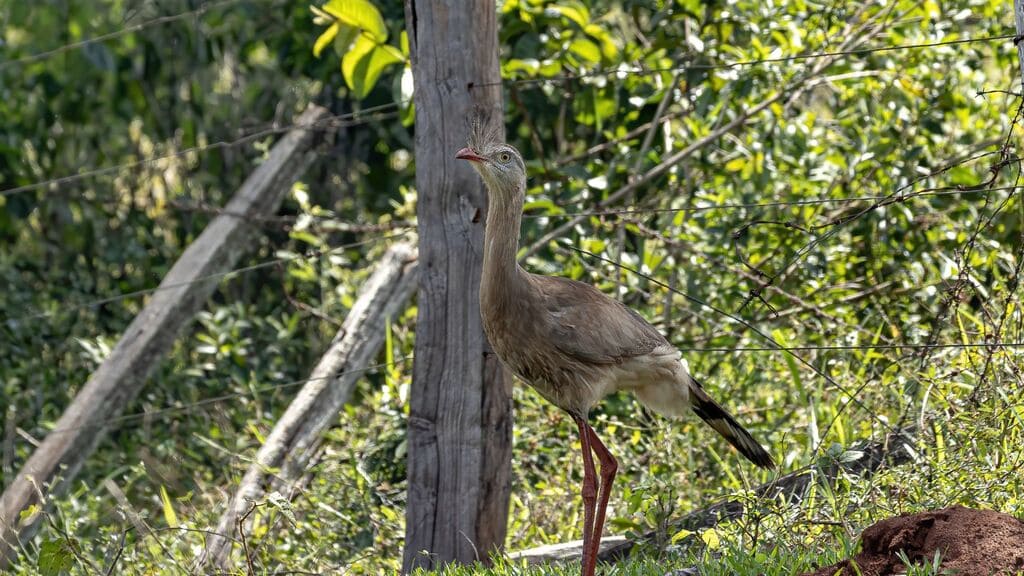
{"points": [[858, 207]]}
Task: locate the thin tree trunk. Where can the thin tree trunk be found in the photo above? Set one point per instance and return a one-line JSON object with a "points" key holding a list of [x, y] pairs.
{"points": [[460, 409], [294, 438], [151, 334]]}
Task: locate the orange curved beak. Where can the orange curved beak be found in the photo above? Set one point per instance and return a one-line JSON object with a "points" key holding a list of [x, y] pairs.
{"points": [[468, 154]]}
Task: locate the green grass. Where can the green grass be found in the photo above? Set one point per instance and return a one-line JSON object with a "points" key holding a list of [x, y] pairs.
{"points": [[725, 560]]}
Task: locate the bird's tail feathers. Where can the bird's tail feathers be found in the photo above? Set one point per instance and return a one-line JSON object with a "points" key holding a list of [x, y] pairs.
{"points": [[723, 423]]}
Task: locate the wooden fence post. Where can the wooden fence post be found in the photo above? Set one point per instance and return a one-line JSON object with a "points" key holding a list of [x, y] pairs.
{"points": [[182, 293], [460, 409], [1018, 18]]}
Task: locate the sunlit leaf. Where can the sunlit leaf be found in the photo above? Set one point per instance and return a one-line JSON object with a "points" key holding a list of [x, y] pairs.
{"points": [[325, 38], [363, 64], [736, 164], [362, 15], [711, 538], [586, 50], [680, 535], [608, 48], [574, 11], [29, 514], [169, 516]]}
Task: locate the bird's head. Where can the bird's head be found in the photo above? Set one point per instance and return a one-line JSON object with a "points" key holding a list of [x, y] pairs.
{"points": [[499, 164]]}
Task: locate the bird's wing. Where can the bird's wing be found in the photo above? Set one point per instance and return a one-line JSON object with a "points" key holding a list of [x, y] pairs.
{"points": [[582, 322]]}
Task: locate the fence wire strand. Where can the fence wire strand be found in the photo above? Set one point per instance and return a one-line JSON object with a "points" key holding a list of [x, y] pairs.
{"points": [[36, 57], [67, 308], [336, 121]]}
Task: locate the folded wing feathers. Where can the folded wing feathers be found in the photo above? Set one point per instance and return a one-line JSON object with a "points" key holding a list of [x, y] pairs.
{"points": [[590, 326]]}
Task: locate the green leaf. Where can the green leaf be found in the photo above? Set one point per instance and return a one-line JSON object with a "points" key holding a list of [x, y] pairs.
{"points": [[528, 65], [680, 535], [736, 164], [608, 48], [362, 15], [711, 539], [169, 515], [346, 37], [546, 204], [306, 237], [282, 504], [851, 456], [362, 65], [29, 514], [55, 557], [574, 11], [586, 50], [549, 68], [325, 38]]}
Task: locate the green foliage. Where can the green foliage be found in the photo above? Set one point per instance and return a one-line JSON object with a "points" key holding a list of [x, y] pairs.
{"points": [[774, 198], [358, 31], [55, 558]]}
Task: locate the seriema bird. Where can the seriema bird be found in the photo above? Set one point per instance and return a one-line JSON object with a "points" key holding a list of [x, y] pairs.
{"points": [[573, 344]]}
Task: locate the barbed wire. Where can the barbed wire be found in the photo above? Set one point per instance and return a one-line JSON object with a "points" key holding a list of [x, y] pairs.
{"points": [[553, 79], [331, 122], [215, 276], [954, 191], [188, 407], [58, 181], [745, 63], [185, 408], [118, 33], [408, 227], [360, 227]]}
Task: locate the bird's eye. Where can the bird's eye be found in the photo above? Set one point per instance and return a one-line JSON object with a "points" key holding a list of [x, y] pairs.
{"points": [[504, 157]]}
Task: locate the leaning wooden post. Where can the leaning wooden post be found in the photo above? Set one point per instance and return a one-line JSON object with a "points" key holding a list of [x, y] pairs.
{"points": [[151, 334], [460, 410], [290, 445]]}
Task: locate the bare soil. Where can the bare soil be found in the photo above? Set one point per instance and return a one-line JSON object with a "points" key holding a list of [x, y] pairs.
{"points": [[971, 543]]}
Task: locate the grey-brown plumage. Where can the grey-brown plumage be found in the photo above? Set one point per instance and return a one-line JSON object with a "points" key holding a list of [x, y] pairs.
{"points": [[572, 343]]}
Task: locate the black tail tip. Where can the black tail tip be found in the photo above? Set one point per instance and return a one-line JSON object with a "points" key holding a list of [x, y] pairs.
{"points": [[762, 459]]}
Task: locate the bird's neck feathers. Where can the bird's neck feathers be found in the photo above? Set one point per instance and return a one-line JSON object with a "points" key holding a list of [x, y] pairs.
{"points": [[502, 277]]}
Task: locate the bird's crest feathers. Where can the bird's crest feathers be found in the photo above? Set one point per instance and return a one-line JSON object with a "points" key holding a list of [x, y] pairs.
{"points": [[484, 133]]}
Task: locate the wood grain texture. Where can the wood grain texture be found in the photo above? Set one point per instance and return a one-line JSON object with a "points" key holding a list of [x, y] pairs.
{"points": [[460, 407], [151, 334], [296, 435], [1018, 20]]}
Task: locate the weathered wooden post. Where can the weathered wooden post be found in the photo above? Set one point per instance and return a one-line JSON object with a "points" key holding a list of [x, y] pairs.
{"points": [[1018, 18], [460, 429]]}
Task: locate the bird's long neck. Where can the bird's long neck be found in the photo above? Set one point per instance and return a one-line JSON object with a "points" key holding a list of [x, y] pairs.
{"points": [[502, 280]]}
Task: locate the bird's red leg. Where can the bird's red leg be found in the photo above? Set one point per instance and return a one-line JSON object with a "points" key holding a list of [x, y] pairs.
{"points": [[589, 494], [608, 468]]}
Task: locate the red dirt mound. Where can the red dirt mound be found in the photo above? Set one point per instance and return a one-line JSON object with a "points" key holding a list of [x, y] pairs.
{"points": [[971, 543]]}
